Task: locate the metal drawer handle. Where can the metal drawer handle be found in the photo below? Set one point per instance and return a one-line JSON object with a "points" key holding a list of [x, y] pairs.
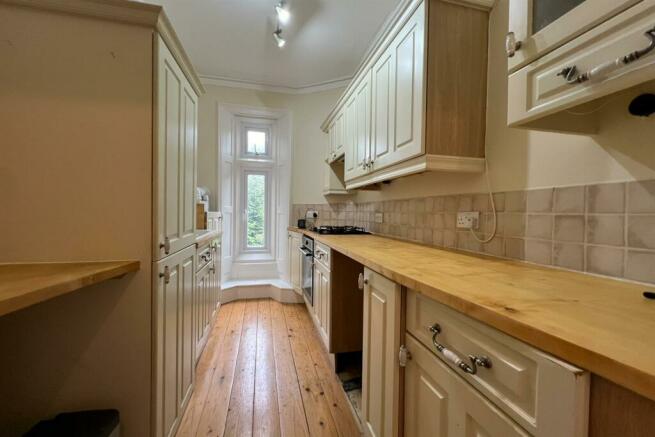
{"points": [[573, 77], [454, 358]]}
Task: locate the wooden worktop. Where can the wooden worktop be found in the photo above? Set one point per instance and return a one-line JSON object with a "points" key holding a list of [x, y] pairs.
{"points": [[22, 285], [602, 325]]}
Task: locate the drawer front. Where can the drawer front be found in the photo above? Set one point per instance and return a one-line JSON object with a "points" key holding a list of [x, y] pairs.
{"points": [[322, 254], [546, 396], [540, 89]]}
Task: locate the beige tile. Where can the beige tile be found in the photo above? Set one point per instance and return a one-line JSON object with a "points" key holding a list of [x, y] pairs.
{"points": [[540, 226], [438, 204], [606, 229], [569, 228], [450, 220], [437, 237], [450, 238], [514, 225], [515, 201], [465, 203], [569, 200], [438, 221], [499, 201], [495, 247], [466, 241], [539, 251], [605, 260], [640, 266], [540, 200], [481, 202], [569, 256], [515, 248], [641, 197], [427, 236], [641, 231], [606, 198], [420, 205], [429, 204], [451, 203]]}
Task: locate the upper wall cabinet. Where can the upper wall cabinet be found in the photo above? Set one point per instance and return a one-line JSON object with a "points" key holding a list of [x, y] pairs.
{"points": [[418, 101], [566, 53]]}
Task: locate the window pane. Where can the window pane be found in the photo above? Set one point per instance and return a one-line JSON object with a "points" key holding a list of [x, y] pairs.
{"points": [[256, 142], [256, 198]]}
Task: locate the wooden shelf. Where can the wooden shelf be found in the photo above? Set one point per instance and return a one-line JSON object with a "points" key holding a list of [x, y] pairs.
{"points": [[25, 284]]}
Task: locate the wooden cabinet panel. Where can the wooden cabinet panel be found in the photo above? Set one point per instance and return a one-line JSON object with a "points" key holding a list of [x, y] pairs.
{"points": [[202, 308], [295, 261], [351, 165], [382, 132], [339, 133], [175, 155], [360, 119], [380, 369], [174, 341], [439, 403]]}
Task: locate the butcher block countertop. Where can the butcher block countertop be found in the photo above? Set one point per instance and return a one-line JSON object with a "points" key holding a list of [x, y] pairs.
{"points": [[602, 325], [25, 284]]}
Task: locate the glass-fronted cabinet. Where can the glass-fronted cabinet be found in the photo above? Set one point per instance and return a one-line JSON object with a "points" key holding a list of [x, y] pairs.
{"points": [[537, 27]]}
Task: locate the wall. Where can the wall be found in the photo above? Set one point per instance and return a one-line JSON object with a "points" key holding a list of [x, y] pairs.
{"points": [[308, 111], [75, 174]]}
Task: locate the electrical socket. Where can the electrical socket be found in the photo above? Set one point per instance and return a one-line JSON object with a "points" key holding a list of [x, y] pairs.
{"points": [[468, 220], [379, 217]]}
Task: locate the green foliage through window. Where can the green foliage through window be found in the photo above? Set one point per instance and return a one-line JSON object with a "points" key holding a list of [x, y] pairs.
{"points": [[256, 220]]}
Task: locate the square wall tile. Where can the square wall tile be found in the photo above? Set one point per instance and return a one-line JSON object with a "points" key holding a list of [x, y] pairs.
{"points": [[495, 247], [641, 197], [481, 202], [515, 248], [606, 229], [606, 198], [539, 251], [451, 203], [641, 231], [605, 260], [437, 237], [569, 200], [465, 203], [569, 228], [569, 256], [450, 238], [515, 201], [540, 226], [540, 200], [640, 266], [499, 201], [514, 224]]}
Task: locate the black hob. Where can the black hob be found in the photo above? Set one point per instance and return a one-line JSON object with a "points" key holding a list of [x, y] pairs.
{"points": [[340, 230]]}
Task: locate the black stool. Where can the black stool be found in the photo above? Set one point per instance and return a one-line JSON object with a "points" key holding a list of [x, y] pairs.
{"points": [[93, 423]]}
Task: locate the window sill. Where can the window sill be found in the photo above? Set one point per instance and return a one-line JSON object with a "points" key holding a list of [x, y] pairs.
{"points": [[254, 257]]}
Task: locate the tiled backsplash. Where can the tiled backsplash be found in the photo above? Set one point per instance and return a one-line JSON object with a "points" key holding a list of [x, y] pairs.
{"points": [[607, 229]]}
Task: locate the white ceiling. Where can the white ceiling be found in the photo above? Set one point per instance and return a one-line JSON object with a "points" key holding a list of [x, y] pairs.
{"points": [[232, 39]]}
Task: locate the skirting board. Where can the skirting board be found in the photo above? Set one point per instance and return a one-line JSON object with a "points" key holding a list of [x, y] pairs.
{"points": [[276, 290]]}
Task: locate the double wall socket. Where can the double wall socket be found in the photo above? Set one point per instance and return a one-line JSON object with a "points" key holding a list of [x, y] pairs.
{"points": [[468, 220]]}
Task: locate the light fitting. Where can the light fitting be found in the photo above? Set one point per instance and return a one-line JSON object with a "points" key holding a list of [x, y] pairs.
{"points": [[283, 13], [278, 38]]}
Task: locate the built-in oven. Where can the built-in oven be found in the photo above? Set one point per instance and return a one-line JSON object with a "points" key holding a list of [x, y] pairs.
{"points": [[307, 282]]}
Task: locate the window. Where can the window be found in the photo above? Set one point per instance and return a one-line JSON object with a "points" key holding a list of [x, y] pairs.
{"points": [[256, 210], [256, 142]]}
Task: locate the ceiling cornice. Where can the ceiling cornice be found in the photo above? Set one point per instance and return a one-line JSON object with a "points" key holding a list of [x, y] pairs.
{"points": [[252, 85]]}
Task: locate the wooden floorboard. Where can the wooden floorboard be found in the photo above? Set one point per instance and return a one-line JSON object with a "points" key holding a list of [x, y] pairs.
{"points": [[265, 372]]}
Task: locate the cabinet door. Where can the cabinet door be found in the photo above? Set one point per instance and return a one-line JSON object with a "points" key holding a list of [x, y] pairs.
{"points": [[543, 25], [322, 305], [339, 126], [175, 155], [295, 261], [381, 343], [439, 403], [174, 342], [360, 120], [202, 308], [351, 165], [316, 307]]}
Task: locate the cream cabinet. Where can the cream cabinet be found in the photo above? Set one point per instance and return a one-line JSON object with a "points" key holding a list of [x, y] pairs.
{"points": [[438, 403], [176, 105], [380, 367], [560, 73], [322, 300], [295, 261], [173, 338], [336, 136], [416, 104]]}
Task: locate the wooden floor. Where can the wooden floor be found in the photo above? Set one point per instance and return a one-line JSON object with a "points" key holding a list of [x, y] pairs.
{"points": [[264, 372]]}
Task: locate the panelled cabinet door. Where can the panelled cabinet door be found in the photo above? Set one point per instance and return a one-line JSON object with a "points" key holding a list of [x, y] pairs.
{"points": [[380, 368], [339, 134], [202, 306], [439, 403], [351, 166], [322, 305], [295, 261], [175, 154], [174, 340], [537, 27], [398, 84], [358, 126]]}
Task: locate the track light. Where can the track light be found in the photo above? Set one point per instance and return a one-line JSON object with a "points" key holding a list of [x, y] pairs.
{"points": [[283, 13], [278, 38]]}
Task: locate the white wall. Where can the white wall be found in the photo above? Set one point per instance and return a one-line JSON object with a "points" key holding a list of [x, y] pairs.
{"points": [[309, 143], [520, 159]]}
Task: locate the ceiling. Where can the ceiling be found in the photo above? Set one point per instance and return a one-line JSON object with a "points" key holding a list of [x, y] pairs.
{"points": [[232, 39]]}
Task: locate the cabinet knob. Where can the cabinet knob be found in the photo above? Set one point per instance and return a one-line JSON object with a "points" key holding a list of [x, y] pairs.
{"points": [[166, 275], [166, 245], [512, 45], [361, 281]]}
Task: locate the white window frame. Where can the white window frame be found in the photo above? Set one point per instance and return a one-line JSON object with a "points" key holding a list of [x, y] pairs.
{"points": [[268, 193], [259, 126]]}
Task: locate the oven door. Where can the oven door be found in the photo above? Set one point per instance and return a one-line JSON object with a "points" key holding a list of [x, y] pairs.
{"points": [[307, 281]]}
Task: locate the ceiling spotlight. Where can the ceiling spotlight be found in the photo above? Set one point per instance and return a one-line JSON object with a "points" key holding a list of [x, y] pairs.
{"points": [[283, 13], [278, 38]]}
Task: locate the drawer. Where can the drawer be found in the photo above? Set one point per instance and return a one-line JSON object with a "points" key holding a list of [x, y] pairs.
{"points": [[322, 254], [539, 90], [543, 394]]}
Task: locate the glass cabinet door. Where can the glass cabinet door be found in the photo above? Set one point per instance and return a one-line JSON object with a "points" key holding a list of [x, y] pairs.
{"points": [[537, 27]]}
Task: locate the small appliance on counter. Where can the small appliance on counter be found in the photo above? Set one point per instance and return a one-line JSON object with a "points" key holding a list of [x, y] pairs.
{"points": [[302, 223], [310, 219]]}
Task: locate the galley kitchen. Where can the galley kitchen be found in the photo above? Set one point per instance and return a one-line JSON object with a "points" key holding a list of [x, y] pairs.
{"points": [[381, 218]]}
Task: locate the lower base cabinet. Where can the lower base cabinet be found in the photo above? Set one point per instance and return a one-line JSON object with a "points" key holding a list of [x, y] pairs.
{"points": [[439, 403], [380, 367], [174, 340]]}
